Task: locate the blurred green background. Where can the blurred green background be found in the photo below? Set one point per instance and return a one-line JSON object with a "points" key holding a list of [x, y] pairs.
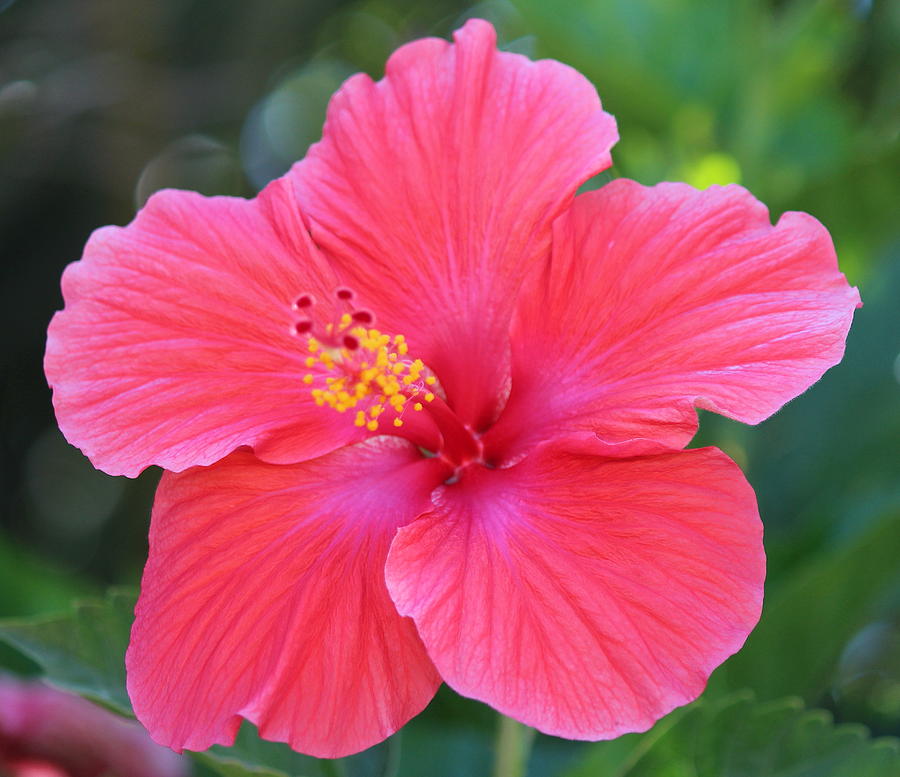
{"points": [[103, 102]]}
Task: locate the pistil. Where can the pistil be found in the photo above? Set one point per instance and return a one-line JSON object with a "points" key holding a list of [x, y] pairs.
{"points": [[459, 445]]}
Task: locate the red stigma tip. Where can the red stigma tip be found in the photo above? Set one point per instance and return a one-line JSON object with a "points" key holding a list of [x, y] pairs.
{"points": [[362, 316], [344, 294], [302, 327], [350, 342], [305, 301]]}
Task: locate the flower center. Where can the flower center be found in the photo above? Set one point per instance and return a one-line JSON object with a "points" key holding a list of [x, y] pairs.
{"points": [[355, 368]]}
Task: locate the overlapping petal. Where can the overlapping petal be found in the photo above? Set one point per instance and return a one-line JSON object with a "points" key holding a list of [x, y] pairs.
{"points": [[264, 598], [176, 343], [580, 595], [661, 299], [434, 190]]}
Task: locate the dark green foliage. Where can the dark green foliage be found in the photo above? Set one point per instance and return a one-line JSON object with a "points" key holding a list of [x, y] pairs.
{"points": [[82, 650], [739, 737]]}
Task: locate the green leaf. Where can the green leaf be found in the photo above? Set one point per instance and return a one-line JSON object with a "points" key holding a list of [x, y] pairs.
{"points": [[29, 584], [254, 757], [806, 624], [234, 767], [740, 737], [82, 650]]}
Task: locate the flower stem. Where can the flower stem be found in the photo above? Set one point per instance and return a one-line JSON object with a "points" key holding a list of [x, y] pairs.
{"points": [[513, 746]]}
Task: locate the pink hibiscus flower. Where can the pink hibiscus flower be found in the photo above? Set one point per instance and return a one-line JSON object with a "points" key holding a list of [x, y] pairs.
{"points": [[47, 733], [423, 413]]}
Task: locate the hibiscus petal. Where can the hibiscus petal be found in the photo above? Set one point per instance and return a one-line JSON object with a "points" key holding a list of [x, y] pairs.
{"points": [[435, 188], [665, 298], [176, 343], [264, 598], [584, 596]]}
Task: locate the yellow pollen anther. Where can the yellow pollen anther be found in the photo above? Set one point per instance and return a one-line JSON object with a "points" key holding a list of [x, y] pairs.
{"points": [[367, 376]]}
